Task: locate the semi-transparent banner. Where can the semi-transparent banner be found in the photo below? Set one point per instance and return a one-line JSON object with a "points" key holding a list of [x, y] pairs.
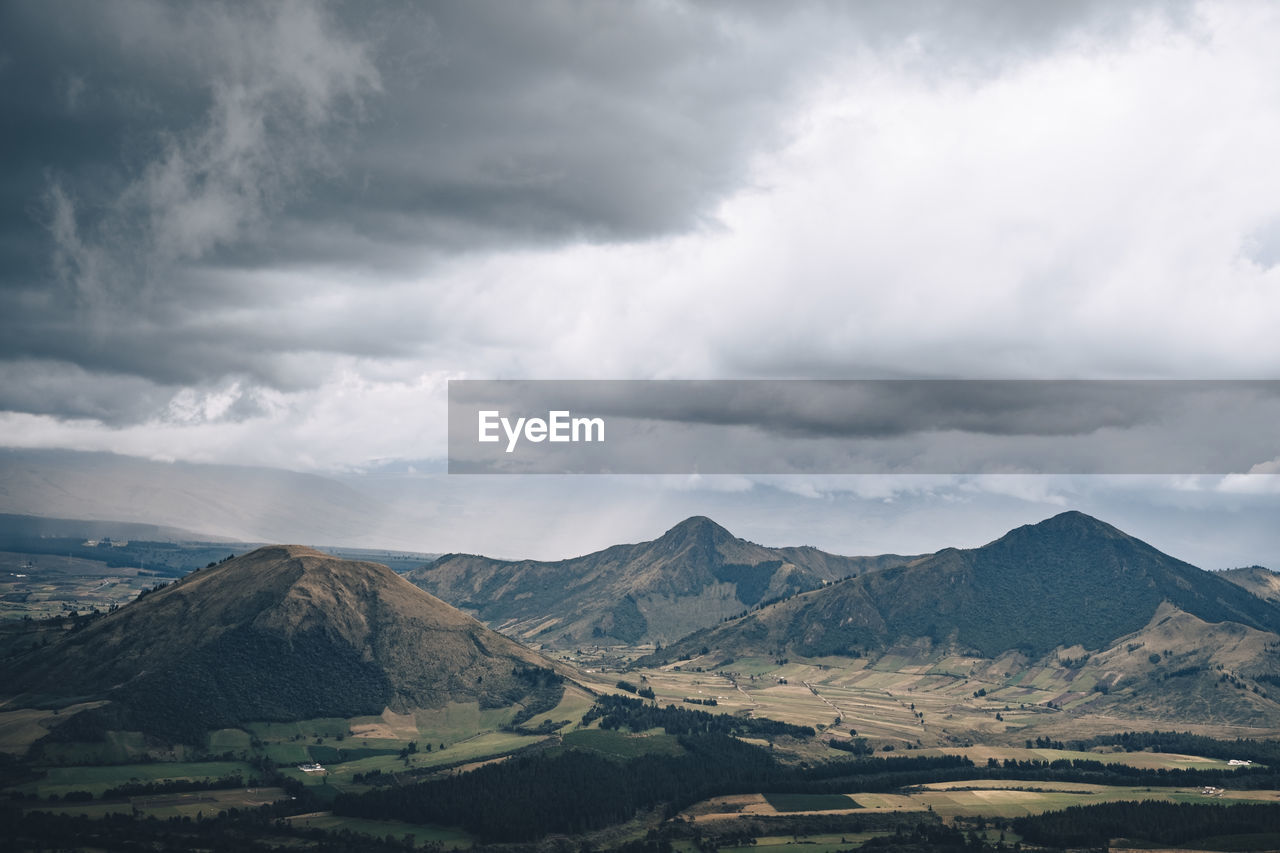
{"points": [[864, 426]]}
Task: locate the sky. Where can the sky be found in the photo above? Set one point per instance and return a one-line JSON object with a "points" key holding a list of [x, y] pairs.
{"points": [[269, 234]]}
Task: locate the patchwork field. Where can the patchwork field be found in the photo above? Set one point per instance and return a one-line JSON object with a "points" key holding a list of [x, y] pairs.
{"points": [[945, 702], [44, 585], [898, 703], [986, 798], [340, 776], [454, 738]]}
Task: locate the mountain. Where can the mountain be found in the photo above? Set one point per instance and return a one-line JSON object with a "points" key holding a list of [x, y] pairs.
{"points": [[693, 576], [1069, 581], [1262, 582], [282, 633]]}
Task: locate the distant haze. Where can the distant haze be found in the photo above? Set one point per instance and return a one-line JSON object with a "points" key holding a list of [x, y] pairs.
{"points": [[1208, 523], [268, 234]]}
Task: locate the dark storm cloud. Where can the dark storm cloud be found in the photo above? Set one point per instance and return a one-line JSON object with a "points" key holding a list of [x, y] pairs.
{"points": [[160, 163], [519, 123], [878, 408], [65, 389], [149, 139], [873, 426]]}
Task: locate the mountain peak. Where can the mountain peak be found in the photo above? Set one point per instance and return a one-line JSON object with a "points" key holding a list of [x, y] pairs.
{"points": [[1074, 518], [695, 534], [696, 525], [1069, 525], [692, 576], [1069, 580], [288, 551]]}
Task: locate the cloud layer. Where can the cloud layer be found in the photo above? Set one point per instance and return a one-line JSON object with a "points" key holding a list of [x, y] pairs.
{"points": [[268, 233]]}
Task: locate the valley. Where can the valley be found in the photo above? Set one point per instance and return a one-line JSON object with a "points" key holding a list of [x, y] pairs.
{"points": [[328, 696]]}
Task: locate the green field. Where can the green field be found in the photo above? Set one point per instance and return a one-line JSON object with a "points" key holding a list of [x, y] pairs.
{"points": [[229, 740], [450, 839], [1255, 841], [288, 753], [456, 735], [804, 843], [338, 755], [23, 727], [61, 780], [321, 727], [573, 705], [617, 744], [339, 777], [459, 721], [810, 802], [985, 798], [163, 806], [898, 702], [118, 747], [994, 798], [1145, 760]]}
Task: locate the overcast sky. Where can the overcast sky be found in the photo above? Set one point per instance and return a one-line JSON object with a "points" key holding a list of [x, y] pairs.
{"points": [[269, 233]]}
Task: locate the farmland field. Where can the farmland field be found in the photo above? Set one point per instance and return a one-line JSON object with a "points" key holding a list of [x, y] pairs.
{"points": [[21, 728], [484, 745], [806, 843], [1143, 760], [449, 839], [43, 585], [61, 780], [902, 707], [809, 802], [619, 745], [947, 702], [163, 806], [985, 798]]}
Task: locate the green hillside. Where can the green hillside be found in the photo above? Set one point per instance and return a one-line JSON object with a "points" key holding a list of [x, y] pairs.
{"points": [[282, 633]]}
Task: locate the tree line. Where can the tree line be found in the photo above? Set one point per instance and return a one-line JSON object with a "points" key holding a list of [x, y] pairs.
{"points": [[573, 791], [1151, 821], [1185, 743], [615, 712]]}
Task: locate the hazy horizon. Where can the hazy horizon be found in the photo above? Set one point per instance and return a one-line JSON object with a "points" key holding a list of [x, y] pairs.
{"points": [[270, 234], [1214, 524]]}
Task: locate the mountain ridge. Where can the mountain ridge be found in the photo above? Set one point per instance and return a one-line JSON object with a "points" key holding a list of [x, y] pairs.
{"points": [[694, 575], [1259, 580], [1068, 580]]}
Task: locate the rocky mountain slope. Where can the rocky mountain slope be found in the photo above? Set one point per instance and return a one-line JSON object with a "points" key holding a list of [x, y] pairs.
{"points": [[693, 576]]}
